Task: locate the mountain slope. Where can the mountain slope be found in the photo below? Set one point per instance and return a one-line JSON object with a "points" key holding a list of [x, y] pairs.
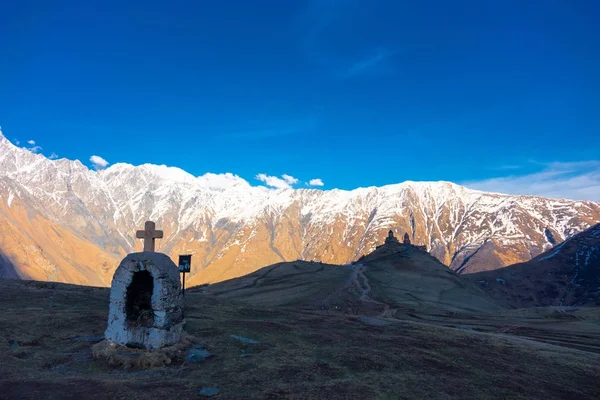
{"points": [[567, 274], [34, 247], [233, 228]]}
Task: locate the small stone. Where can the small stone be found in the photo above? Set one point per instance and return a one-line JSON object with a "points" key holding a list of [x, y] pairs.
{"points": [[198, 353], [322, 361], [14, 345], [244, 339], [209, 392]]}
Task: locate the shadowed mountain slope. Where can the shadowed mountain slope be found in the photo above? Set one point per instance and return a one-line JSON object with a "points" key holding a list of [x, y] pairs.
{"points": [[568, 274], [7, 269]]}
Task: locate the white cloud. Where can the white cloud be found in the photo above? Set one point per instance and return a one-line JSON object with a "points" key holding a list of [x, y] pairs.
{"points": [[221, 181], [289, 179], [569, 180], [316, 182], [273, 181], [29, 146], [99, 162], [53, 156]]}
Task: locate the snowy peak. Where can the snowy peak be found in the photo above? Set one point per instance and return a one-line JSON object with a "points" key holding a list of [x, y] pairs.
{"points": [[233, 227], [149, 172]]}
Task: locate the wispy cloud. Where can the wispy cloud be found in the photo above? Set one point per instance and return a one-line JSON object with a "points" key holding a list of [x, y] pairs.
{"points": [[326, 26], [53, 156], [31, 142], [507, 167], [367, 65], [316, 182], [275, 182], [569, 180], [98, 162]]}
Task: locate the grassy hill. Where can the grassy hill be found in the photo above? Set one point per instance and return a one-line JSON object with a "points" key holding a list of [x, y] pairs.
{"points": [[395, 277], [394, 326]]}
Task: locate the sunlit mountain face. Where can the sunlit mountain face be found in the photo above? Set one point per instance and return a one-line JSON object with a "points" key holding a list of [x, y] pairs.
{"points": [[62, 221]]}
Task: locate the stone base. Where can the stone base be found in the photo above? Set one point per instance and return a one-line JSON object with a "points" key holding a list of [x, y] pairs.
{"points": [[120, 356], [144, 337]]}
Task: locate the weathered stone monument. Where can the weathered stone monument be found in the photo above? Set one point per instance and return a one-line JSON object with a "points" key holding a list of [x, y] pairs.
{"points": [[146, 305]]}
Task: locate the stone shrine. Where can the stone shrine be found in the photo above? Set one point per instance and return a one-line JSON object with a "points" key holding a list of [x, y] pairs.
{"points": [[146, 305]]}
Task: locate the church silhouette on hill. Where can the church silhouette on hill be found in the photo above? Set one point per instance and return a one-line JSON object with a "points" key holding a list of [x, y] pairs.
{"points": [[391, 240]]}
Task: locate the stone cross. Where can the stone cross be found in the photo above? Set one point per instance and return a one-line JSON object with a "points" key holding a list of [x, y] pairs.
{"points": [[149, 234]]}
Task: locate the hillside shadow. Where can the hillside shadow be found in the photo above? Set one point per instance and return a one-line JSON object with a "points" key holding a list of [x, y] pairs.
{"points": [[7, 268], [542, 282]]}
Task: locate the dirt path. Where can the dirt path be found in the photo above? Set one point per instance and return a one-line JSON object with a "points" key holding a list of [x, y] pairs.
{"points": [[531, 330], [324, 304], [359, 280], [263, 276]]}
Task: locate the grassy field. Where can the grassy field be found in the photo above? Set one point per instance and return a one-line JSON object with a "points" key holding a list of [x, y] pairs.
{"points": [[304, 352]]}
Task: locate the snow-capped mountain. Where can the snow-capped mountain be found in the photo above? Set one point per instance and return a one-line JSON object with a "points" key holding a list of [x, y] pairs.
{"points": [[61, 221]]}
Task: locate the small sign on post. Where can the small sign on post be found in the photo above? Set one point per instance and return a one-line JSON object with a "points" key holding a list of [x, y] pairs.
{"points": [[185, 265]]}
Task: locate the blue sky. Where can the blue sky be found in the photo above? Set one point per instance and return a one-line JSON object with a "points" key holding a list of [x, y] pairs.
{"points": [[495, 94]]}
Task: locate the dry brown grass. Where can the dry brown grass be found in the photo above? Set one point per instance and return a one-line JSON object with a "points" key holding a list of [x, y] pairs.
{"points": [[302, 354], [119, 356]]}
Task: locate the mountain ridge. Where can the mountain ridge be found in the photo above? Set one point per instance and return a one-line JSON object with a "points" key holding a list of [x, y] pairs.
{"points": [[568, 274], [233, 228]]}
